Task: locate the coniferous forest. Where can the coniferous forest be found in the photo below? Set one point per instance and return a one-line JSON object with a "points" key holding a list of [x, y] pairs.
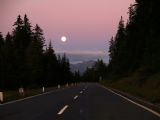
{"points": [[135, 51], [25, 60], [137, 44]]}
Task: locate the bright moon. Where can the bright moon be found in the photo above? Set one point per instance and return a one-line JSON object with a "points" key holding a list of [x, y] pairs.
{"points": [[63, 39]]}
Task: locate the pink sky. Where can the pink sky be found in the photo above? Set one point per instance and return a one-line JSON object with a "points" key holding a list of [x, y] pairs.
{"points": [[87, 24]]}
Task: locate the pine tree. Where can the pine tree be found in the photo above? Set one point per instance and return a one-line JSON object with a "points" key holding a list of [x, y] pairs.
{"points": [[117, 49], [51, 65], [19, 41], [65, 68], [152, 37], [9, 62], [1, 40], [1, 62], [38, 36], [132, 13], [34, 57], [100, 69], [111, 49], [76, 77], [27, 32]]}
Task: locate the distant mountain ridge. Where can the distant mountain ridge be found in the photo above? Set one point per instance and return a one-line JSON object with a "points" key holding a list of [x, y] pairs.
{"points": [[79, 61], [75, 58], [81, 67]]}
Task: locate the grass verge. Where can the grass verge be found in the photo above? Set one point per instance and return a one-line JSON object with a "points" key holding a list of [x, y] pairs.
{"points": [[14, 94], [146, 88]]}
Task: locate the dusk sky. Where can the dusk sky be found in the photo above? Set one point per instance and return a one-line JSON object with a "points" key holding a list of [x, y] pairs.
{"points": [[87, 24]]}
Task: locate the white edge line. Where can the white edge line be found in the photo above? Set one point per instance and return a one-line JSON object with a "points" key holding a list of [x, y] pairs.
{"points": [[76, 97], [62, 110], [142, 106], [27, 98]]}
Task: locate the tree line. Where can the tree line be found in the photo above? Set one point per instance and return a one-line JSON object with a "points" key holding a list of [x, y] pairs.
{"points": [[25, 60], [136, 45], [96, 73]]}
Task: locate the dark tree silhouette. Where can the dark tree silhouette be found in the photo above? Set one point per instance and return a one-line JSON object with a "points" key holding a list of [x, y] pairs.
{"points": [[51, 67], [96, 73], [136, 46], [1, 61], [117, 50], [25, 63]]}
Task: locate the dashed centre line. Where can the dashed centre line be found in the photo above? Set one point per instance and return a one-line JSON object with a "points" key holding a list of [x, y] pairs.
{"points": [[75, 97], [66, 106], [62, 110], [81, 92]]}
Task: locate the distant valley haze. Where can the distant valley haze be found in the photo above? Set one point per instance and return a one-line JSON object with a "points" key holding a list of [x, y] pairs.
{"points": [[84, 56]]}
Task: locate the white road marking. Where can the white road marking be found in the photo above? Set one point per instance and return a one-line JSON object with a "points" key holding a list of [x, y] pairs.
{"points": [[62, 110], [75, 97], [142, 106], [81, 92]]}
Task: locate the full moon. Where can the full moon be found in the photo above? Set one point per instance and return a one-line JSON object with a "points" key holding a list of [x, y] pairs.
{"points": [[63, 39]]}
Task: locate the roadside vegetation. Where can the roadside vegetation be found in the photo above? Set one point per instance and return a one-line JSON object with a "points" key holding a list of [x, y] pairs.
{"points": [[134, 65], [146, 88], [11, 95]]}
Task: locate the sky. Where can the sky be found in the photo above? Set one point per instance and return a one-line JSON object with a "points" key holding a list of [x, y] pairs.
{"points": [[87, 24]]}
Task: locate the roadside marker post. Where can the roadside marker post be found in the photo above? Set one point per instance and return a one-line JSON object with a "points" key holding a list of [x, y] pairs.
{"points": [[100, 78], [1, 96], [43, 89], [59, 86], [67, 85], [21, 91]]}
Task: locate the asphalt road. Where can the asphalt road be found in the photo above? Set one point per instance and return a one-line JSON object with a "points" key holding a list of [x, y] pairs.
{"points": [[83, 102]]}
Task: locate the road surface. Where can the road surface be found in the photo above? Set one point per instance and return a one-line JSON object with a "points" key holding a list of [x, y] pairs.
{"points": [[83, 102]]}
